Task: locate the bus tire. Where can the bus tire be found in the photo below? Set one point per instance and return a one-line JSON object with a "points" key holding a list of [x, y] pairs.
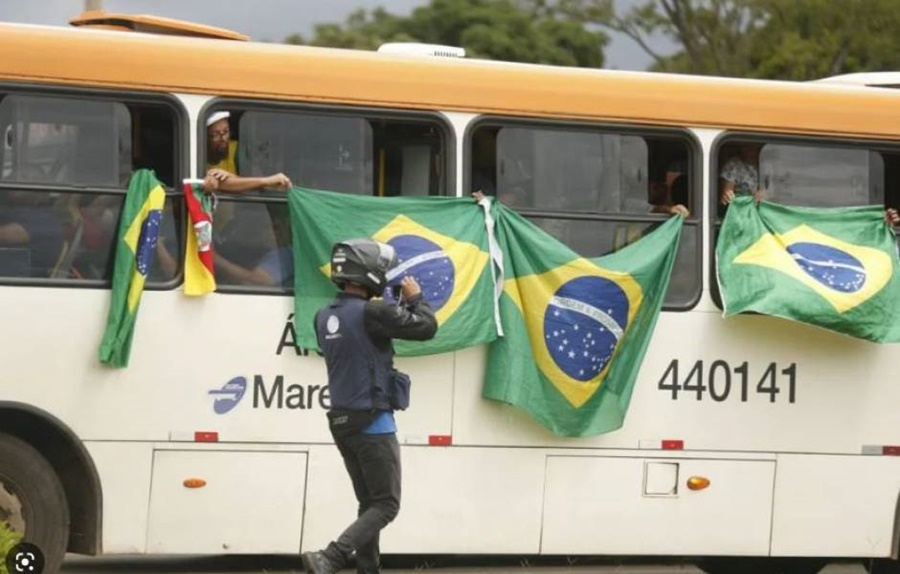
{"points": [[32, 497], [761, 565], [882, 566]]}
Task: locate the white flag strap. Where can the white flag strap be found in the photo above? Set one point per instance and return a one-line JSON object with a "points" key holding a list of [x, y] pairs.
{"points": [[496, 261]]}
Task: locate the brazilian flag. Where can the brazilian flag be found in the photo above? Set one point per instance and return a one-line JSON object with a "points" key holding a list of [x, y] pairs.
{"points": [[575, 329], [440, 241], [831, 267], [135, 251]]}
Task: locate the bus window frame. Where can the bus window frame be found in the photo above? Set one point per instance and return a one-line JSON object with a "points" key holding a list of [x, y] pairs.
{"points": [[763, 138], [214, 104], [695, 179], [181, 157]]}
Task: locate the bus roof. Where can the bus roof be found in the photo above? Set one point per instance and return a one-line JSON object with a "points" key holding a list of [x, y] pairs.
{"points": [[99, 58]]}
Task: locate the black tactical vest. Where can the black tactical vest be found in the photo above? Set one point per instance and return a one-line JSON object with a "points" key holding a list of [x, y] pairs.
{"points": [[357, 369]]}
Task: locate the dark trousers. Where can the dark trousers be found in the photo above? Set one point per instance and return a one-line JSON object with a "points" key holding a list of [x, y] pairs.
{"points": [[373, 463]]}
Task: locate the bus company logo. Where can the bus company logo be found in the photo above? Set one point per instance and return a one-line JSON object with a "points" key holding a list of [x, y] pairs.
{"points": [[229, 395], [584, 321], [273, 393]]}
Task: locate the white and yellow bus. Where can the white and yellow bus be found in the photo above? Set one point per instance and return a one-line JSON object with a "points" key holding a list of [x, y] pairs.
{"points": [[214, 438]]}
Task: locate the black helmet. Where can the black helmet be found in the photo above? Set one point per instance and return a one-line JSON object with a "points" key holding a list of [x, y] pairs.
{"points": [[363, 262]]}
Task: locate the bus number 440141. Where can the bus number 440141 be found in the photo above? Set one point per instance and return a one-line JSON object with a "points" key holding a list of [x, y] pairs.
{"points": [[722, 381]]}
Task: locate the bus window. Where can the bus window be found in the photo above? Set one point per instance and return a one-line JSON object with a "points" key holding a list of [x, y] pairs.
{"points": [[343, 154], [319, 152], [66, 141], [253, 246], [573, 170], [577, 184], [802, 175], [65, 165], [821, 176], [409, 158]]}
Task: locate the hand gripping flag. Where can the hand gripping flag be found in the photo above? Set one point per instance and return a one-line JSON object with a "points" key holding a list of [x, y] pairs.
{"points": [[575, 329], [442, 242], [835, 267], [135, 250], [199, 276]]}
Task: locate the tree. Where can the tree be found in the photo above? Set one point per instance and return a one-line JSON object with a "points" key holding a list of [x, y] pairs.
{"points": [[524, 31], [809, 39], [714, 36], [778, 39]]}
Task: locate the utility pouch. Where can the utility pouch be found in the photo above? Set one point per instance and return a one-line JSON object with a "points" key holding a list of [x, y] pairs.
{"points": [[399, 385], [346, 422]]}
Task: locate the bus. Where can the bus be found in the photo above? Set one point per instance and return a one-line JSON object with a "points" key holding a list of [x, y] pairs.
{"points": [[747, 438]]}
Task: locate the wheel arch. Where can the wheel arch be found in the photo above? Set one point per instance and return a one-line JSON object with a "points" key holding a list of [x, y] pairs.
{"points": [[73, 466]]}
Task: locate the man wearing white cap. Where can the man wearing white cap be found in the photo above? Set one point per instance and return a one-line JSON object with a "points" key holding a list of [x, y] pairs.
{"points": [[221, 161]]}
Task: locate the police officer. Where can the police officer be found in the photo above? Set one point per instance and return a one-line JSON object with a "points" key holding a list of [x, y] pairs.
{"points": [[354, 332]]}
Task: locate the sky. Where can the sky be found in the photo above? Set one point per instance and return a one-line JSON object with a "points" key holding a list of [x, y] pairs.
{"points": [[267, 20]]}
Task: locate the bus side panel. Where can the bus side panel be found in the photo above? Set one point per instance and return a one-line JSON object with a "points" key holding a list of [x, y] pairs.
{"points": [[642, 506], [124, 470], [743, 384], [226, 501], [839, 506], [471, 500]]}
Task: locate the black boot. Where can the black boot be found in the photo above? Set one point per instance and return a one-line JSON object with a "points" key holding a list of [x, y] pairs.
{"points": [[318, 563]]}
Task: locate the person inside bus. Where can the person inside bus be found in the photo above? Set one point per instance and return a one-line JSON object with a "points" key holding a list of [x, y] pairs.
{"points": [[31, 235], [740, 175], [222, 164], [670, 196], [274, 268], [676, 197]]}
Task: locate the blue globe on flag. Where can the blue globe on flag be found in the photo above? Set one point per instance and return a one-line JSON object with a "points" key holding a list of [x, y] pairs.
{"points": [[832, 267], [425, 261], [584, 321]]}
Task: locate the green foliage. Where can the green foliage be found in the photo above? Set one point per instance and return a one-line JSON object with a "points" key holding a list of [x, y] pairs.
{"points": [[526, 31], [808, 39], [777, 39], [8, 539]]}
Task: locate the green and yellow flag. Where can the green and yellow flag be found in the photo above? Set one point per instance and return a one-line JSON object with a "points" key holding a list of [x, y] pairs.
{"points": [[575, 329], [135, 251], [443, 242], [831, 267]]}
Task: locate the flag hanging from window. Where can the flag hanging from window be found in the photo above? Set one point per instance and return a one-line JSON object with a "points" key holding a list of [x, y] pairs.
{"points": [[199, 276], [575, 329], [441, 241], [835, 268], [135, 251]]}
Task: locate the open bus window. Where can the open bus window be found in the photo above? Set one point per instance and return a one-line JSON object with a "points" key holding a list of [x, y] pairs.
{"points": [[577, 184], [82, 152], [805, 175], [342, 154]]}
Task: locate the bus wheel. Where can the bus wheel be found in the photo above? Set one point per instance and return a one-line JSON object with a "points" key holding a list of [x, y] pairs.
{"points": [[882, 566], [32, 500], [758, 565]]}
